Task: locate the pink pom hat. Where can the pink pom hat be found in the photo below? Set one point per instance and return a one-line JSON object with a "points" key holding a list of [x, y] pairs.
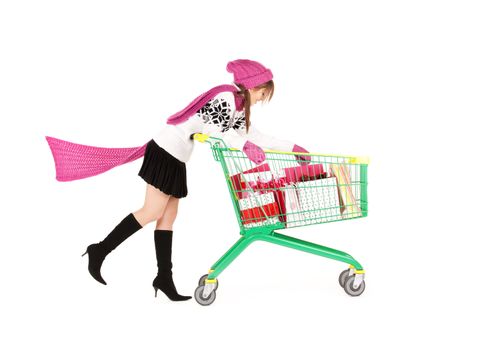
{"points": [[249, 73]]}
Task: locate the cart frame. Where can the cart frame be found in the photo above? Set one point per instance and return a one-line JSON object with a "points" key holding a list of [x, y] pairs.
{"points": [[353, 277]]}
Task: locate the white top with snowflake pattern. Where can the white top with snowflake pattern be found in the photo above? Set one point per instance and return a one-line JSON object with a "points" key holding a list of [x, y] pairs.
{"points": [[217, 118]]}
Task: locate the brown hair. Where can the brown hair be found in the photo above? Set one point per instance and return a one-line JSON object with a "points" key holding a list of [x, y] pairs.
{"points": [[270, 88]]}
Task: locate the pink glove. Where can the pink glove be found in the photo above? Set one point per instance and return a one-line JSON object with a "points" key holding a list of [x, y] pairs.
{"points": [[253, 152], [301, 159]]}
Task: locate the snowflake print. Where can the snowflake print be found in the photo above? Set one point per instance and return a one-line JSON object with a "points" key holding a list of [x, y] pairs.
{"points": [[240, 122], [217, 112]]}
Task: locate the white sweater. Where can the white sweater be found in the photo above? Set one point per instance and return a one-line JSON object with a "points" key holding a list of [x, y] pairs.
{"points": [[217, 118]]}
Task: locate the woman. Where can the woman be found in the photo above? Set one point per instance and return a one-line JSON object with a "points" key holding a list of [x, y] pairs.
{"points": [[223, 111]]}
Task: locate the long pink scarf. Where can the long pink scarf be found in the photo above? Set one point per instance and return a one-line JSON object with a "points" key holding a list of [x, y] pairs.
{"points": [[75, 161]]}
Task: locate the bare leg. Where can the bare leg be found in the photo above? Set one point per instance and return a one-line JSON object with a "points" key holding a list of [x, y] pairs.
{"points": [[154, 206], [166, 222]]}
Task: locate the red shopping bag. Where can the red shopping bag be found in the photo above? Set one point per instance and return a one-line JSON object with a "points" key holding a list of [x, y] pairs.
{"points": [[240, 186]]}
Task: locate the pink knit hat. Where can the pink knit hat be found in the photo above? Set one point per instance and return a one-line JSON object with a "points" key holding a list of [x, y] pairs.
{"points": [[249, 73]]}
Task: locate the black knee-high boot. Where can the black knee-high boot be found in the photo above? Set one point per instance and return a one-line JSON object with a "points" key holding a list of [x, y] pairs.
{"points": [[98, 251], [164, 281]]}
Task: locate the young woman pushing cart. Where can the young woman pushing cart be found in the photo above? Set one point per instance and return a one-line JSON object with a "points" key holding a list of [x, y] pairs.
{"points": [[223, 111]]}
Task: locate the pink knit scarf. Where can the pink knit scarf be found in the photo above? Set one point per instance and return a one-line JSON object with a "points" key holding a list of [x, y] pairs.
{"points": [[200, 101], [75, 161]]}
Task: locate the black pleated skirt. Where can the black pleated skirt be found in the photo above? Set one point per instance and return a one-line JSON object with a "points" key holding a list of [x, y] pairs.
{"points": [[162, 170]]}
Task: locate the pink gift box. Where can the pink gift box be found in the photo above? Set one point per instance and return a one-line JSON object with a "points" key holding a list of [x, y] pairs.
{"points": [[305, 173]]}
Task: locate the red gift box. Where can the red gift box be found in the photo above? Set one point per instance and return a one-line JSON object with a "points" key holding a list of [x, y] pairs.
{"points": [[241, 189], [305, 173], [257, 214], [275, 187]]}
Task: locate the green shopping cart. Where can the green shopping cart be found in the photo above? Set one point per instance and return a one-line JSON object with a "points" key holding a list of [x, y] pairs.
{"points": [[289, 190]]}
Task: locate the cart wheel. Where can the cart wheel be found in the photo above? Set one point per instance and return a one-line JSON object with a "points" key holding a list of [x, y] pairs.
{"points": [[202, 281], [349, 288], [343, 276], [198, 295]]}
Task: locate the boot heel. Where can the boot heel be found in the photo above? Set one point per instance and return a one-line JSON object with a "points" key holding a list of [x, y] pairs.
{"points": [[86, 252], [156, 291]]}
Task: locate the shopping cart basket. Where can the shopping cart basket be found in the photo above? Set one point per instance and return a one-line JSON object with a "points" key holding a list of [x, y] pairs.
{"points": [[286, 191]]}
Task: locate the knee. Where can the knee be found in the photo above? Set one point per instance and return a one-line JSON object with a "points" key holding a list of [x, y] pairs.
{"points": [[151, 214], [156, 213]]}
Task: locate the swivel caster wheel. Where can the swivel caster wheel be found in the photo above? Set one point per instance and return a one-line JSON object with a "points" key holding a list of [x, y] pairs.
{"points": [[198, 295], [350, 289]]}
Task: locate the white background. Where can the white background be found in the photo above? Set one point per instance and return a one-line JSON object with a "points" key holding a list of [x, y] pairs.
{"points": [[410, 84]]}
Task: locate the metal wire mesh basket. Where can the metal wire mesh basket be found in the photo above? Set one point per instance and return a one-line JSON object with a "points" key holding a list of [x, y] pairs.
{"points": [[288, 191]]}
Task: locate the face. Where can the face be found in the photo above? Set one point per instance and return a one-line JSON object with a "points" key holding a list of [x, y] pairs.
{"points": [[257, 95]]}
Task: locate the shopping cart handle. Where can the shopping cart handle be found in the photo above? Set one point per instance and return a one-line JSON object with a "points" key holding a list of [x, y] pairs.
{"points": [[199, 137]]}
